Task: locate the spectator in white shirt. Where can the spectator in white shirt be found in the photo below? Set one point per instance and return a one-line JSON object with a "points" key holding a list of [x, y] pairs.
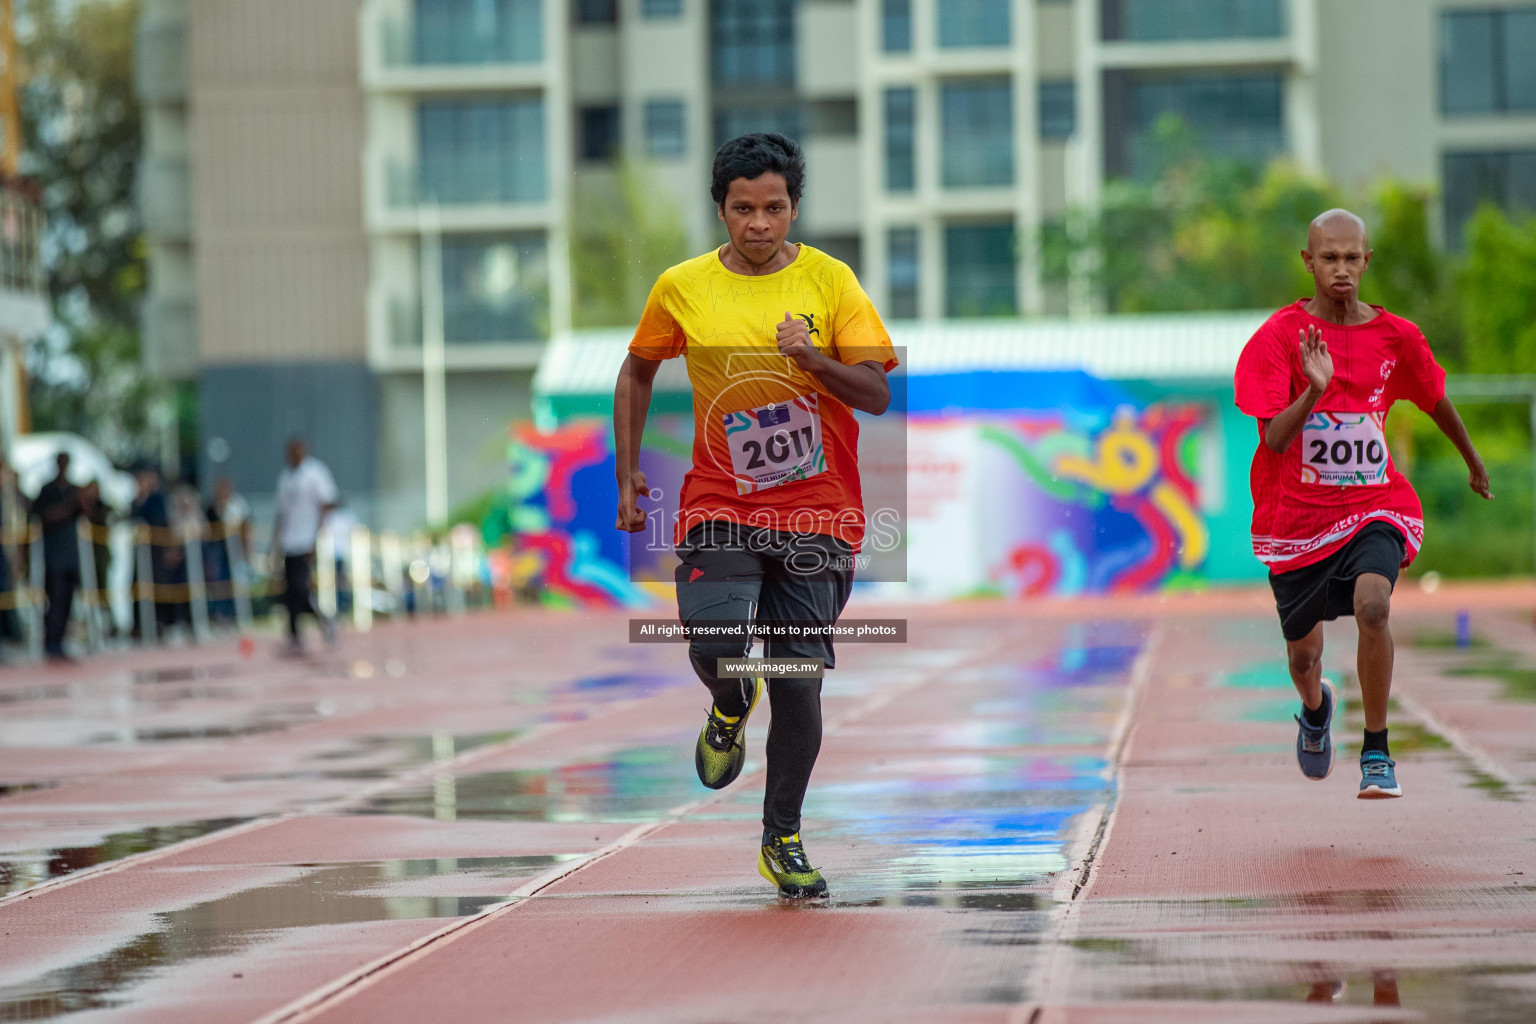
{"points": [[306, 493]]}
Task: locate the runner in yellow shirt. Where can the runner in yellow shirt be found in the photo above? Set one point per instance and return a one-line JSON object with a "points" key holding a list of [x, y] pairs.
{"points": [[782, 345]]}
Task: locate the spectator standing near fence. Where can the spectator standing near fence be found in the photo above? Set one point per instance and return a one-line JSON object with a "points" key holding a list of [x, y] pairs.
{"points": [[13, 519], [229, 521], [95, 512], [149, 509], [306, 494], [58, 507]]}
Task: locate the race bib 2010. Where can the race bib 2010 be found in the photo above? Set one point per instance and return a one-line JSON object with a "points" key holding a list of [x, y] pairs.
{"points": [[1344, 449], [775, 444]]}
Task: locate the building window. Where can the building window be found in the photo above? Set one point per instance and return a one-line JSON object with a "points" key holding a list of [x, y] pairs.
{"points": [[597, 12], [901, 257], [481, 151], [979, 278], [973, 23], [664, 128], [1058, 109], [661, 8], [732, 121], [977, 132], [1236, 116], [900, 137], [1163, 20], [478, 31], [753, 42], [600, 133], [1488, 61], [1506, 178], [495, 288], [896, 25]]}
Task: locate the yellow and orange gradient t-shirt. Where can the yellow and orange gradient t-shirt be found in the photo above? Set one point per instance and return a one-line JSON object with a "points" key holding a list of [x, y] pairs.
{"points": [[771, 448]]}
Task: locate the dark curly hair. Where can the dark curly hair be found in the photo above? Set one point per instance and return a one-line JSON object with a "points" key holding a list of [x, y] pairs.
{"points": [[751, 156]]}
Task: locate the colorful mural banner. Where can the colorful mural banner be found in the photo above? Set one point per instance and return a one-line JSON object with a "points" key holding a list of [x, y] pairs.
{"points": [[1017, 485], [1037, 504], [557, 512]]}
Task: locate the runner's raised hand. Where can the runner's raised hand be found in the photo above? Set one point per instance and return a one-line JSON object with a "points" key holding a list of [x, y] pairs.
{"points": [[794, 340], [1316, 363]]}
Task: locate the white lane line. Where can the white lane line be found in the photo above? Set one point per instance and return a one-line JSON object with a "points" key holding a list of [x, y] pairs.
{"points": [[321, 1000], [1051, 973], [1479, 757]]}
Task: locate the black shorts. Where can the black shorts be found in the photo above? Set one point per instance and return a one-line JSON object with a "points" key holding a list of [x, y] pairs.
{"points": [[734, 573], [1323, 591]]}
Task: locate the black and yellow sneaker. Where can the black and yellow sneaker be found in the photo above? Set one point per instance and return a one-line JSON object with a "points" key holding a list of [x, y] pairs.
{"points": [[783, 862], [722, 746]]}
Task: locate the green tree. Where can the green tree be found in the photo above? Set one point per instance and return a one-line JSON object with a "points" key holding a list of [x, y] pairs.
{"points": [[81, 138], [625, 230], [1496, 287], [1408, 274], [1203, 234]]}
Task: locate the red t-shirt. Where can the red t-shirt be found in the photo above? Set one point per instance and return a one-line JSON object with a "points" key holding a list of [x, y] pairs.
{"points": [[1309, 500]]}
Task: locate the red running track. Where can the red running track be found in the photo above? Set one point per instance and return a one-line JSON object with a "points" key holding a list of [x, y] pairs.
{"points": [[1084, 811]]}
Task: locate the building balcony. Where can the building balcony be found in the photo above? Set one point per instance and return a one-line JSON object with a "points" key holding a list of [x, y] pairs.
{"points": [[25, 312], [165, 198], [453, 51], [169, 336], [1184, 20], [477, 336], [160, 60], [468, 195], [1192, 53]]}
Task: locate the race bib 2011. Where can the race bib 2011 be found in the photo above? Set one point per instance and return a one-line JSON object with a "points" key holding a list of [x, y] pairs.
{"points": [[775, 444], [1344, 449]]}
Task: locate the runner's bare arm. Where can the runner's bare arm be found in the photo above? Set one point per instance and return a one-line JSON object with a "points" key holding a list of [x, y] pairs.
{"points": [[1281, 432], [862, 386], [631, 403], [1449, 421]]}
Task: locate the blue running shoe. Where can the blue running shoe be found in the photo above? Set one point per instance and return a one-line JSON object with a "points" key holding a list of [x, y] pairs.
{"points": [[1314, 746], [1377, 779]]}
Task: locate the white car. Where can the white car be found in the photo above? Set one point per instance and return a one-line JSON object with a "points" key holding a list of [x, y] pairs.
{"points": [[33, 457]]}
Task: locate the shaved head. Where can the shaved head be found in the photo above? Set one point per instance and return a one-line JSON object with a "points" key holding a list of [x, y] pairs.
{"points": [[1337, 254], [1333, 224]]}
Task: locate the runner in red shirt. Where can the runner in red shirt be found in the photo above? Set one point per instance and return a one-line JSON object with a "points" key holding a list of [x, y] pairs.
{"points": [[1332, 517]]}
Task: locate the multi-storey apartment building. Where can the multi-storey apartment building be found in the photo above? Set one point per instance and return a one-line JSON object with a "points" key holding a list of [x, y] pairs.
{"points": [[324, 141]]}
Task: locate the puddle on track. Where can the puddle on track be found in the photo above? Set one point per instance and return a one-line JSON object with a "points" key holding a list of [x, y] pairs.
{"points": [[639, 784], [22, 869], [1486, 993], [325, 894]]}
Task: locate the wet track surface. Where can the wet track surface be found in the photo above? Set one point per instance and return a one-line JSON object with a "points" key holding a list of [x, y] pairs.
{"points": [[1032, 814]]}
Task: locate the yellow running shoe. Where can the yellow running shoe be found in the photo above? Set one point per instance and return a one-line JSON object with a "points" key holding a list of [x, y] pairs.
{"points": [[722, 746], [783, 862]]}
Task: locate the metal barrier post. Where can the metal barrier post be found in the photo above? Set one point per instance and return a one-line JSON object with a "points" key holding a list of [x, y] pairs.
{"points": [[325, 572], [197, 588], [149, 625], [393, 569], [13, 563], [90, 591], [37, 598], [361, 565], [453, 579]]}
